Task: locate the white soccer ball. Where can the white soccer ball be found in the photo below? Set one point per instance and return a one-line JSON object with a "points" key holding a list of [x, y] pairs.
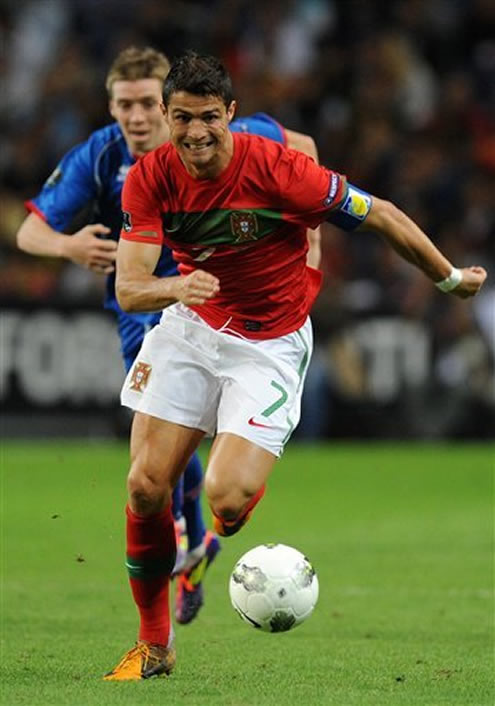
{"points": [[273, 587]]}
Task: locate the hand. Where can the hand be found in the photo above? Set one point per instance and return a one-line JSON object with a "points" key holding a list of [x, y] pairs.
{"points": [[195, 289], [87, 249], [472, 280]]}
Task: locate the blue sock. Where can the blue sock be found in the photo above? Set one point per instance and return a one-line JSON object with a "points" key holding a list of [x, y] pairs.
{"points": [[178, 499], [191, 508]]}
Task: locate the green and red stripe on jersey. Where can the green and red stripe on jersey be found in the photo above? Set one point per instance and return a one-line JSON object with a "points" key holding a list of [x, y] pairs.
{"points": [[247, 227]]}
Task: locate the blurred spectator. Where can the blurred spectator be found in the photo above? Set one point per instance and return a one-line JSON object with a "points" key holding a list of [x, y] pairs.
{"points": [[399, 95]]}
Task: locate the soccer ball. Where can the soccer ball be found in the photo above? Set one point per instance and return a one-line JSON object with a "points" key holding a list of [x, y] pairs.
{"points": [[273, 587]]}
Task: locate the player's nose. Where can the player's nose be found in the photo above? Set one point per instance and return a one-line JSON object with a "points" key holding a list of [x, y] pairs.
{"points": [[137, 114], [196, 130]]}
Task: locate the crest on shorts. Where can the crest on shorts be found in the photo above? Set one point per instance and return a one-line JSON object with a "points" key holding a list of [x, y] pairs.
{"points": [[140, 376], [244, 225]]}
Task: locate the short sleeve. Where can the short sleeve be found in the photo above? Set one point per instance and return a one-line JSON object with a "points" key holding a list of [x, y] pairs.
{"points": [[141, 211], [308, 191], [69, 188]]}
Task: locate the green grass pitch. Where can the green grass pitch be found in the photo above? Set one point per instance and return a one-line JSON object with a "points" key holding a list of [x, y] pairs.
{"points": [[401, 537]]}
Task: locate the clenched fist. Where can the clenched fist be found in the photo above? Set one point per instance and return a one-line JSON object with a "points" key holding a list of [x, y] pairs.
{"points": [[472, 279], [195, 289]]}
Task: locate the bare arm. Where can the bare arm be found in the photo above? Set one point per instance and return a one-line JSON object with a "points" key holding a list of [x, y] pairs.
{"points": [[306, 144], [414, 246], [139, 290], [83, 248]]}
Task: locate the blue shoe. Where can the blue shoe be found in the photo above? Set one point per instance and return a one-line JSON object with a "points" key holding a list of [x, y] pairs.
{"points": [[189, 595]]}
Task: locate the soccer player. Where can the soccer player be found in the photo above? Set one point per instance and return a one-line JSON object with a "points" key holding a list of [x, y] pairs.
{"points": [[93, 173], [229, 356]]}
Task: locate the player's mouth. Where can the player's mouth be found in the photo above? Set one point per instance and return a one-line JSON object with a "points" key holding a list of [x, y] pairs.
{"points": [[198, 147], [139, 134]]}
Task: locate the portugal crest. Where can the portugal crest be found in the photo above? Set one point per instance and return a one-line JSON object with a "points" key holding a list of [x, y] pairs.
{"points": [[140, 376], [244, 225]]}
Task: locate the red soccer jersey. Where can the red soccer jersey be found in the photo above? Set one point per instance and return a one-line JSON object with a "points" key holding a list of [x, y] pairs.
{"points": [[247, 227]]}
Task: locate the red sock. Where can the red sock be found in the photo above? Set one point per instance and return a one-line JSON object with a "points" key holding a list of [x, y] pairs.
{"points": [[150, 560], [247, 509]]}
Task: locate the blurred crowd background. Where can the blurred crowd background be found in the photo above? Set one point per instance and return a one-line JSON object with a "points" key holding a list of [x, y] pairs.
{"points": [[398, 94]]}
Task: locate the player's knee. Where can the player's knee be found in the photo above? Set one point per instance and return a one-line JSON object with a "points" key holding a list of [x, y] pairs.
{"points": [[146, 495]]}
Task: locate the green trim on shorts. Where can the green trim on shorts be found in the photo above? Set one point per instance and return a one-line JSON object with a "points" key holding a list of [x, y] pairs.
{"points": [[278, 403], [287, 436], [305, 359], [300, 371]]}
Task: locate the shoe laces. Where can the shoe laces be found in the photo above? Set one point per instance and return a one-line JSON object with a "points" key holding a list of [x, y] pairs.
{"points": [[138, 649]]}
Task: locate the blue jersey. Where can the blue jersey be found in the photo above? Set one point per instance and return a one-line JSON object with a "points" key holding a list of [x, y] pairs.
{"points": [[93, 173]]}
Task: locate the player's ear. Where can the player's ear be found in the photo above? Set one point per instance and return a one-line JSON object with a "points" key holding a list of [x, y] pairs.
{"points": [[231, 110], [111, 108], [164, 110]]}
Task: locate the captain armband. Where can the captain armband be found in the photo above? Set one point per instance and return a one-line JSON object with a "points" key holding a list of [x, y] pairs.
{"points": [[352, 210]]}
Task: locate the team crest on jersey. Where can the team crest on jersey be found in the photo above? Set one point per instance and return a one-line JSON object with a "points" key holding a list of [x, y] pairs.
{"points": [[244, 225], [140, 376], [54, 177]]}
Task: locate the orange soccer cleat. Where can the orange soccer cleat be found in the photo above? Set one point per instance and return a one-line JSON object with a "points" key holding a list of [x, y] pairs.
{"points": [[143, 661]]}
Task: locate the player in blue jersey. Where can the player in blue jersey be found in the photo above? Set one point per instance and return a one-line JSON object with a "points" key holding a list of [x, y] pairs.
{"points": [[93, 173]]}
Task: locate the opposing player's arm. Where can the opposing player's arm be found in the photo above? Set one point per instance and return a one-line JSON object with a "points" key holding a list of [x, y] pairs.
{"points": [[138, 289], [306, 144], [84, 248], [407, 238], [301, 142], [68, 190]]}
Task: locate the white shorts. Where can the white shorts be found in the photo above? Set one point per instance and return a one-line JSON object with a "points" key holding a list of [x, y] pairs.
{"points": [[191, 374]]}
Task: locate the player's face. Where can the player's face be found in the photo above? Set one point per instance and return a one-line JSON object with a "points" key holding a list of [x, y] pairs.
{"points": [[199, 129], [135, 105]]}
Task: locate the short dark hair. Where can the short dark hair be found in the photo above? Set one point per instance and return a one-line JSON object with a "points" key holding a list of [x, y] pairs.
{"points": [[201, 75]]}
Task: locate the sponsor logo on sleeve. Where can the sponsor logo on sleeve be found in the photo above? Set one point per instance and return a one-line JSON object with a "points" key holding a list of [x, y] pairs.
{"points": [[357, 203], [126, 221], [334, 186], [54, 177]]}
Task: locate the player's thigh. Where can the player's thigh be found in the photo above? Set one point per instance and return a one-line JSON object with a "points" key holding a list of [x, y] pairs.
{"points": [[160, 450], [261, 395], [236, 470], [172, 378]]}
